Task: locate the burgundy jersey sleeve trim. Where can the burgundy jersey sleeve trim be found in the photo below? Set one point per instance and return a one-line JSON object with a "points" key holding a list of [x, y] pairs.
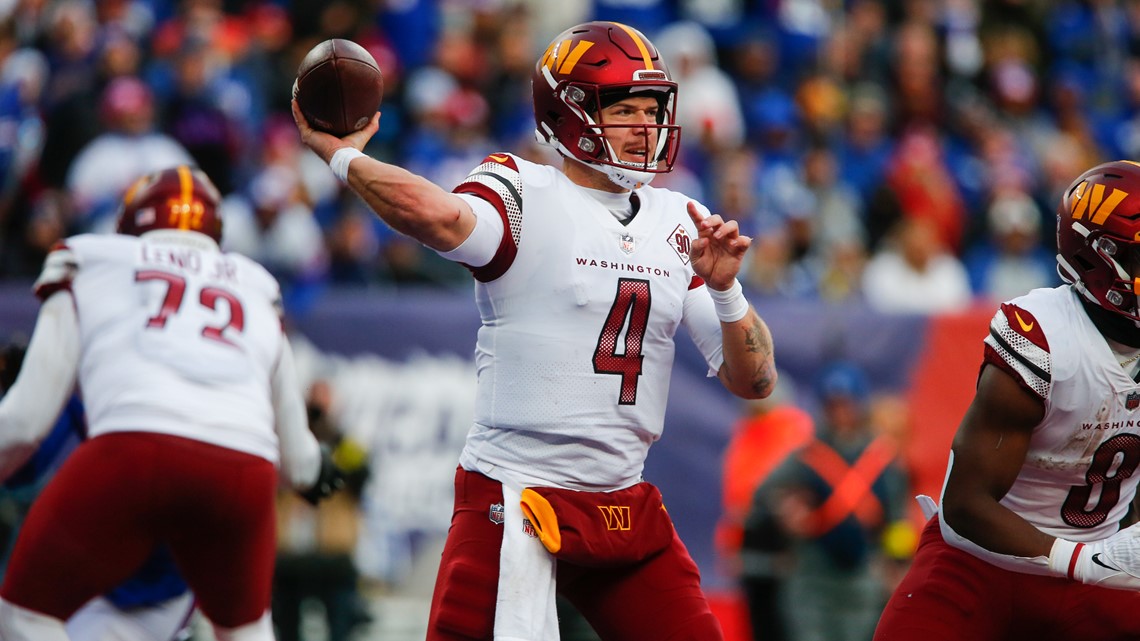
{"points": [[59, 270], [497, 181], [1021, 322], [991, 357], [1017, 344]]}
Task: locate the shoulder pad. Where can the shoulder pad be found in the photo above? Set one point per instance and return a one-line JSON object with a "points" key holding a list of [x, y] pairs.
{"points": [[59, 270], [1017, 343], [498, 181], [504, 159]]}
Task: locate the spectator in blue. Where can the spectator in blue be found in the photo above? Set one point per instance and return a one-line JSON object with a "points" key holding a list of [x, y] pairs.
{"points": [[1012, 260], [866, 148], [194, 119]]}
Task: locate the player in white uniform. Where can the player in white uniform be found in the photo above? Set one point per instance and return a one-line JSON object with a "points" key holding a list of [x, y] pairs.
{"points": [[584, 275], [1033, 540], [192, 402]]}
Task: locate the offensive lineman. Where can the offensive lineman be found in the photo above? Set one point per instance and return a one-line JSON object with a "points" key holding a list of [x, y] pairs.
{"points": [[584, 275], [192, 401], [1032, 540]]}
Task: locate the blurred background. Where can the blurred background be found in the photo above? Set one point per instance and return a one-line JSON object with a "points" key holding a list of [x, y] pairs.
{"points": [[898, 162]]}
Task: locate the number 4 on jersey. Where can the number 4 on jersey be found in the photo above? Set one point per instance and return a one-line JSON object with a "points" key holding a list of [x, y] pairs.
{"points": [[630, 312]]}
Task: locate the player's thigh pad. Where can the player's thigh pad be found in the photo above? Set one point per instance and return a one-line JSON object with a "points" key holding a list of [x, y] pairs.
{"points": [[220, 523], [659, 599], [463, 605], [948, 595], [90, 528]]}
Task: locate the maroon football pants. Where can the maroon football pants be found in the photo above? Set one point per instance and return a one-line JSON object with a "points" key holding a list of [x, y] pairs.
{"points": [[951, 595], [658, 599], [119, 495]]}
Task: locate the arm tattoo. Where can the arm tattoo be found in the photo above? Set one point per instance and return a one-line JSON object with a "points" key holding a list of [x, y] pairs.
{"points": [[755, 340], [762, 381]]}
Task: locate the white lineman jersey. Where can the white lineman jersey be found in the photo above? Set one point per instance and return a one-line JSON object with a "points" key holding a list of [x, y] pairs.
{"points": [[579, 314], [1080, 473], [176, 337]]}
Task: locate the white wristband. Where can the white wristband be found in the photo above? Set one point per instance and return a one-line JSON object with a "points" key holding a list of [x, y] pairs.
{"points": [[1063, 557], [730, 304], [339, 162]]}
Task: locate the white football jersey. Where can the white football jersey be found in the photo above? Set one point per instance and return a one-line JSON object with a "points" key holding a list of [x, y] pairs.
{"points": [[1080, 473], [578, 314], [176, 337]]}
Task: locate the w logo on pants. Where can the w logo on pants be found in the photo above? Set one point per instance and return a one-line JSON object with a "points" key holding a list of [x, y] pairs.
{"points": [[617, 516]]}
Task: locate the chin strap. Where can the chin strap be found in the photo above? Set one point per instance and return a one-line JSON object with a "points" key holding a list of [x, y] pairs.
{"points": [[620, 176]]}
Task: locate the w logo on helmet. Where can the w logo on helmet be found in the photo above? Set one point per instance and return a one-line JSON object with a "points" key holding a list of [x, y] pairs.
{"points": [[1094, 203], [560, 58]]}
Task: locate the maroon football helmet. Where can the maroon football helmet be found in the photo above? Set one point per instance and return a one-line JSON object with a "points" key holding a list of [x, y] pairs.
{"points": [[1098, 236], [177, 198], [588, 67]]}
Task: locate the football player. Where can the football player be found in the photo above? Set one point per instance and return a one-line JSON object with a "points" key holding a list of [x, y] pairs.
{"points": [[154, 604], [192, 402], [1033, 539], [584, 273]]}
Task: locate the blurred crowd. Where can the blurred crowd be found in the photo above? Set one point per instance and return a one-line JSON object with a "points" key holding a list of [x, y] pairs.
{"points": [[908, 153]]}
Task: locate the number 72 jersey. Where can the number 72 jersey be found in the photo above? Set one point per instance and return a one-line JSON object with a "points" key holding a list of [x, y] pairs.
{"points": [[579, 314], [176, 336]]}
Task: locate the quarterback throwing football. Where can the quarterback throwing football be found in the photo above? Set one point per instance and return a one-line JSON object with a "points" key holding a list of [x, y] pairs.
{"points": [[584, 274]]}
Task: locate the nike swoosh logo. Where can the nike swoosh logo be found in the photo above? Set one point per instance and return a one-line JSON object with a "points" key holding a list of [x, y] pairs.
{"points": [[1096, 559], [1024, 327], [499, 159]]}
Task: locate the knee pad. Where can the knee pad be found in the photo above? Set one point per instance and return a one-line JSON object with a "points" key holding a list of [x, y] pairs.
{"points": [[259, 630], [466, 605], [22, 624]]}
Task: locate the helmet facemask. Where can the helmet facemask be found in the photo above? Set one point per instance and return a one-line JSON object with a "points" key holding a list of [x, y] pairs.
{"points": [[1114, 283]]}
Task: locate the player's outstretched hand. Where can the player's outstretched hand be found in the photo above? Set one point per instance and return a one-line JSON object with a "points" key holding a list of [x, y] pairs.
{"points": [[718, 251], [1112, 563], [329, 480], [324, 144]]}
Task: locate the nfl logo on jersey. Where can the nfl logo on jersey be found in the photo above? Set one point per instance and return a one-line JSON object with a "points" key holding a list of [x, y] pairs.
{"points": [[496, 513], [626, 243], [1132, 401]]}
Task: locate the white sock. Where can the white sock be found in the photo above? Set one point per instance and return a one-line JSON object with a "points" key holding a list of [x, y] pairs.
{"points": [[259, 630]]}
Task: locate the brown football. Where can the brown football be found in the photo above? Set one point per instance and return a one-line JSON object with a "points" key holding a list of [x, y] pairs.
{"points": [[339, 87]]}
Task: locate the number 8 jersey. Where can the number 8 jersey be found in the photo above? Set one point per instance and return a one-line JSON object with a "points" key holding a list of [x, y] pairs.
{"points": [[1080, 471], [579, 314], [177, 336]]}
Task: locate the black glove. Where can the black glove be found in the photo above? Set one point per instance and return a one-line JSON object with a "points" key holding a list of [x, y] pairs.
{"points": [[329, 480]]}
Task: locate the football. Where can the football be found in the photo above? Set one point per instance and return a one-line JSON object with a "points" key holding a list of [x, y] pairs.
{"points": [[339, 87]]}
